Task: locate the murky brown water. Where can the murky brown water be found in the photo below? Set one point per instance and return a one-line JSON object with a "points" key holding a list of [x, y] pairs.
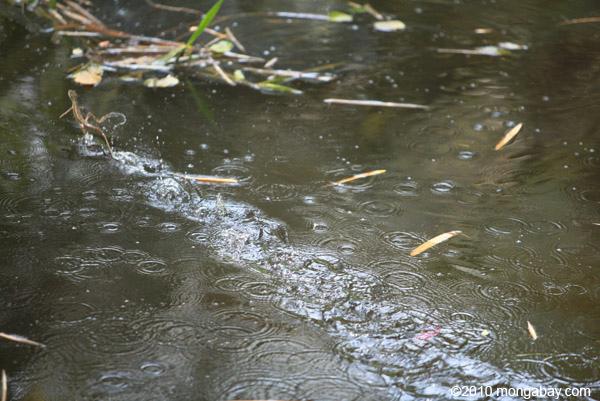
{"points": [[144, 288]]}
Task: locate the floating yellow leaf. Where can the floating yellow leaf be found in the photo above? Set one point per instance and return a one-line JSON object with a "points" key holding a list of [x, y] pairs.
{"points": [[20, 339], [532, 331], [166, 82], [510, 134], [389, 26], [90, 74], [485, 333], [222, 46], [358, 176], [434, 241]]}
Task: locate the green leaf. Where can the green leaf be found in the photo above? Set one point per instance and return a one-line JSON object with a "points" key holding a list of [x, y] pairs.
{"points": [[338, 16], [204, 22], [222, 46]]}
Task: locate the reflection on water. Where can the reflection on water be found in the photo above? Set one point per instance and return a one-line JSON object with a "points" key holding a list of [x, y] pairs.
{"points": [[144, 286]]}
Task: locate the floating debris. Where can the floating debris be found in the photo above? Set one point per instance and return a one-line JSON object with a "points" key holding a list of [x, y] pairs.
{"points": [[510, 134], [165, 82], [88, 75], [434, 241], [20, 339], [389, 26], [532, 331], [376, 103], [359, 176], [485, 333], [111, 51]]}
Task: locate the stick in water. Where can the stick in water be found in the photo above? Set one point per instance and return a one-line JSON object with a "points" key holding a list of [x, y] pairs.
{"points": [[376, 103], [434, 241], [358, 176]]}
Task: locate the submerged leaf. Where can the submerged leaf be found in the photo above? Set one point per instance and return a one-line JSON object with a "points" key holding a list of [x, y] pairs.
{"points": [[90, 74], [434, 241], [510, 134], [222, 46], [338, 16], [532, 331], [166, 82], [389, 26], [358, 176], [20, 339]]}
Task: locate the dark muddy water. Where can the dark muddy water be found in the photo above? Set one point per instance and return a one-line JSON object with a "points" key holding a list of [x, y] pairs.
{"points": [[146, 287]]}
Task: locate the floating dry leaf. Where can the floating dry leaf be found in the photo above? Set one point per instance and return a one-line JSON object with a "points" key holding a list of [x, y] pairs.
{"points": [[389, 26], [434, 241], [338, 16], [20, 339], [166, 82], [510, 134], [359, 176], [90, 74], [4, 386], [532, 331], [238, 75]]}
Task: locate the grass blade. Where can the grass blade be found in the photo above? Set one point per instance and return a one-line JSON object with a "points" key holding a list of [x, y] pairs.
{"points": [[510, 134], [434, 241], [204, 22]]}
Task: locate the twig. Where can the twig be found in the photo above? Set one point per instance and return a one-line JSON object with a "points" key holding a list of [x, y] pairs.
{"points": [[223, 74], [292, 74], [234, 40], [376, 103]]}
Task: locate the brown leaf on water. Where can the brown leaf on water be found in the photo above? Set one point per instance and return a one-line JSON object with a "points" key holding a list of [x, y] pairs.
{"points": [[4, 386], [510, 134], [20, 339], [532, 331], [90, 74], [358, 176], [434, 241]]}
